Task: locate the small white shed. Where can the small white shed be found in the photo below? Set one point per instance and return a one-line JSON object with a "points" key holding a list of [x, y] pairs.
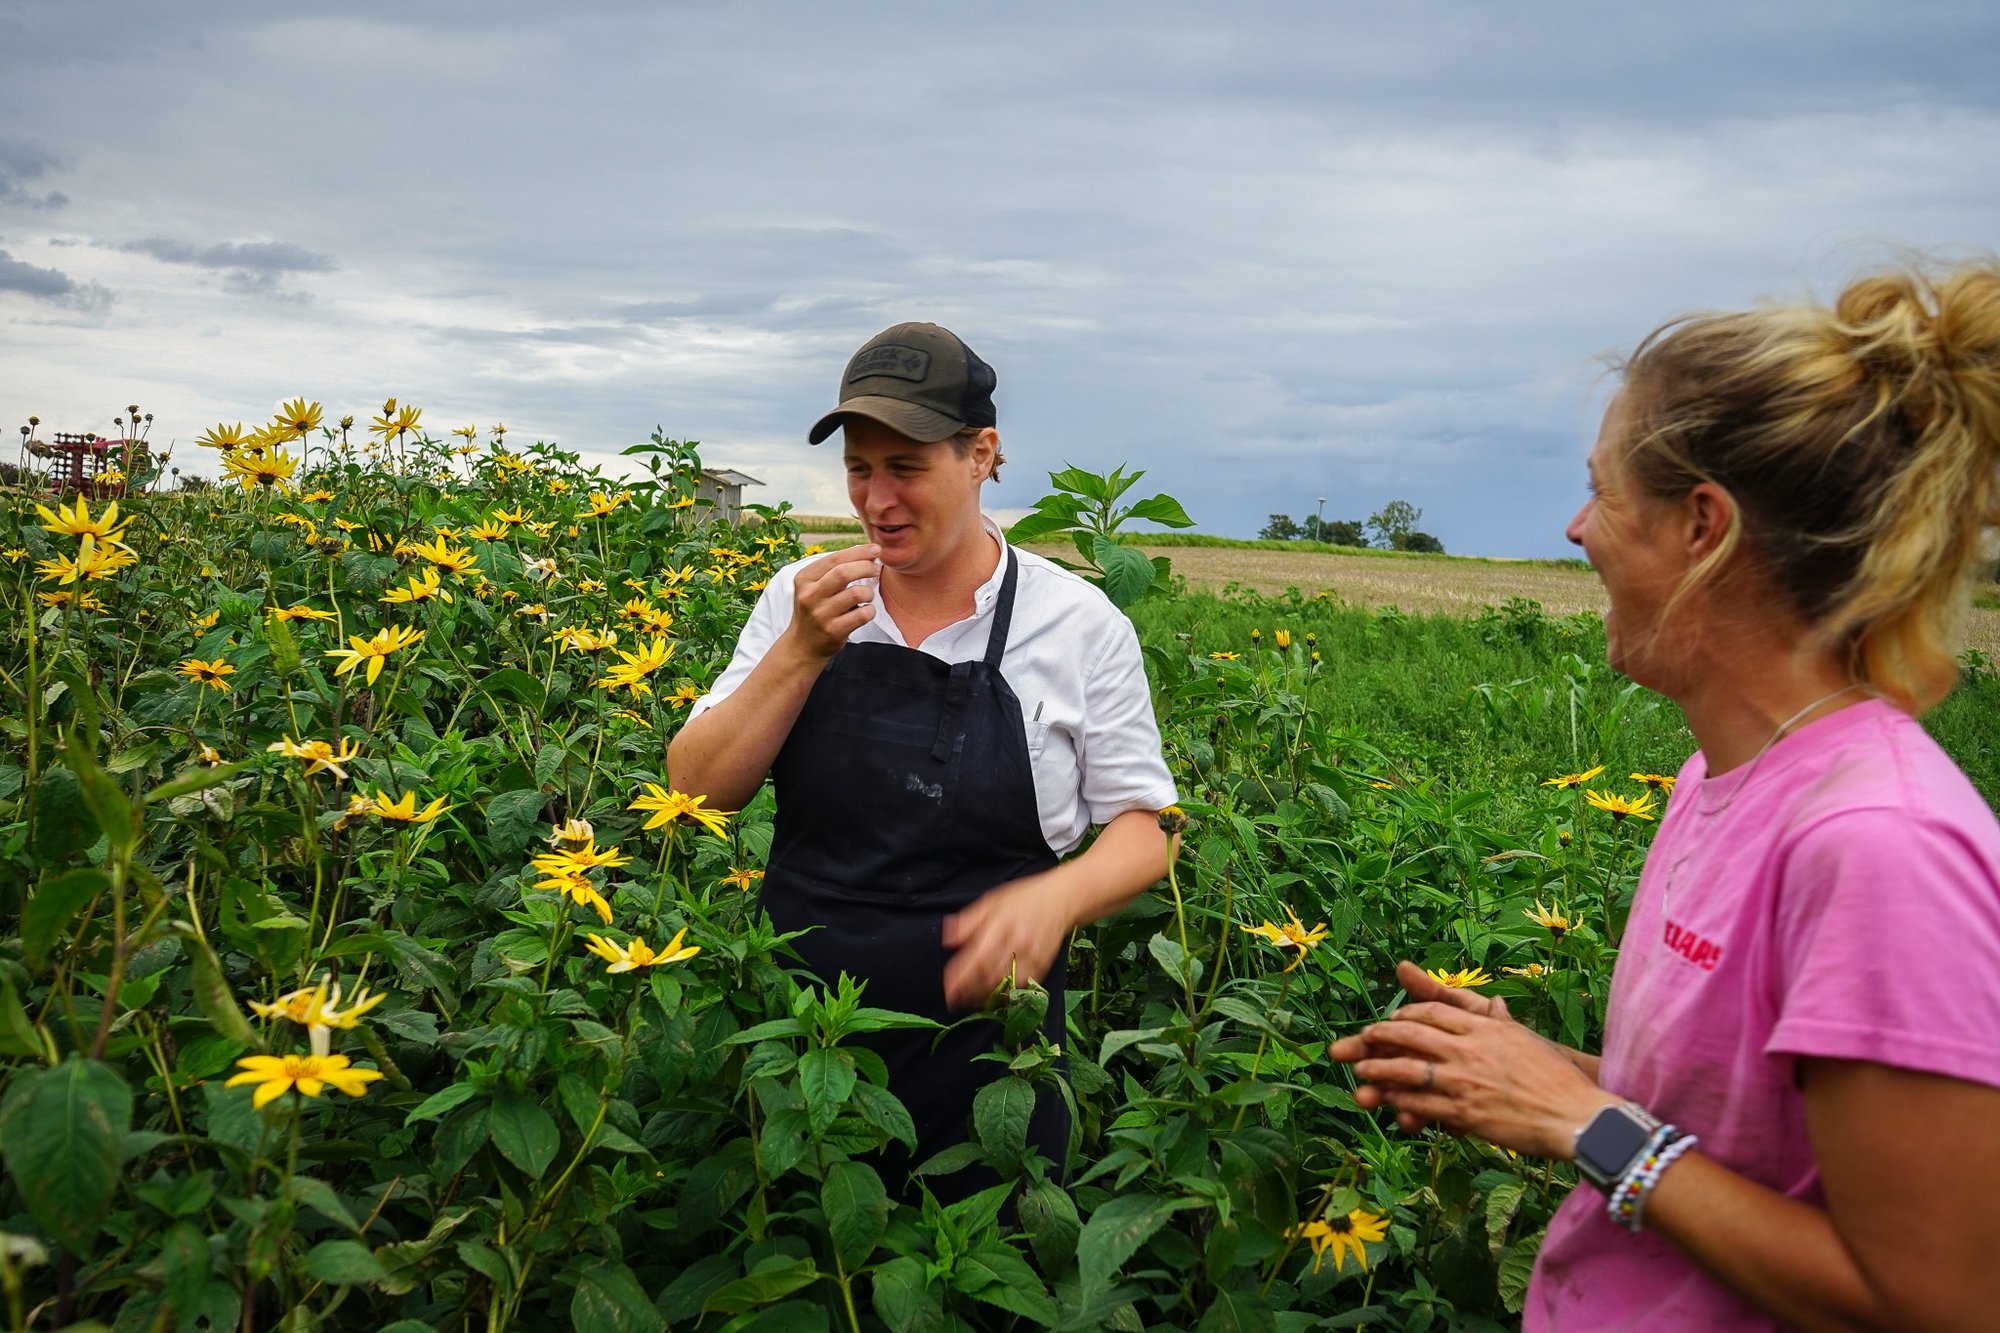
{"points": [[725, 486]]}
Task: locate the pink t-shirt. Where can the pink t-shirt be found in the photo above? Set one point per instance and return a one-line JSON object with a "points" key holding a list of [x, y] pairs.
{"points": [[1839, 898]]}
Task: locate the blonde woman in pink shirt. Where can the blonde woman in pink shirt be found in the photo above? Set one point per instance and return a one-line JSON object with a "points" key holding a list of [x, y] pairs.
{"points": [[1796, 1117]]}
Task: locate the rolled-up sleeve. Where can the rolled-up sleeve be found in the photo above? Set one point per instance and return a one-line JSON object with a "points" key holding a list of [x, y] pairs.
{"points": [[771, 617]]}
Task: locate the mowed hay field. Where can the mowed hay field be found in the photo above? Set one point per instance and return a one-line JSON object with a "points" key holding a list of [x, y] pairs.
{"points": [[1421, 585]]}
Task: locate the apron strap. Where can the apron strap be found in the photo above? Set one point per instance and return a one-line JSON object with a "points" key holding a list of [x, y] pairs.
{"points": [[1003, 612]]}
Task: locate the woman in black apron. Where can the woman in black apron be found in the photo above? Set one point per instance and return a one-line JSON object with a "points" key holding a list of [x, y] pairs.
{"points": [[909, 834]]}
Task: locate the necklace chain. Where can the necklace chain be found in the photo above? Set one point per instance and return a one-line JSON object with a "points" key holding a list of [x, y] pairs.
{"points": [[1785, 728]]}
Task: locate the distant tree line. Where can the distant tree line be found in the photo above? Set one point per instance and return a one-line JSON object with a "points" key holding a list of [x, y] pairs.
{"points": [[1393, 528]]}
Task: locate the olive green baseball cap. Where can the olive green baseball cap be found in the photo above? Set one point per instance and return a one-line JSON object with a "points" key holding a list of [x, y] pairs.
{"points": [[919, 380]]}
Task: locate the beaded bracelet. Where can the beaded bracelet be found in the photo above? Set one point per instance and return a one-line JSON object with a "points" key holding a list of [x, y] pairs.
{"points": [[1625, 1191], [1628, 1201]]}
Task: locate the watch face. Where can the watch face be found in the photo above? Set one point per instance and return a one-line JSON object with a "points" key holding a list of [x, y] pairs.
{"points": [[1610, 1143]]}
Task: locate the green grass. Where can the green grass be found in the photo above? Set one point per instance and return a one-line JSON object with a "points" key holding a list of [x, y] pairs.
{"points": [[1327, 548]]}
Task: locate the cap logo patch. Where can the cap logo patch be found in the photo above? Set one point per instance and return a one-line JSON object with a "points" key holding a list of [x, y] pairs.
{"points": [[891, 359]]}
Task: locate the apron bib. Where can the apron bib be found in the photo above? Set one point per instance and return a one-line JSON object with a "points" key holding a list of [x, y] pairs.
{"points": [[904, 793]]}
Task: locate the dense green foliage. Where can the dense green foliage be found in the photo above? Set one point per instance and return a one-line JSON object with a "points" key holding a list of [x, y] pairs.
{"points": [[514, 1135]]}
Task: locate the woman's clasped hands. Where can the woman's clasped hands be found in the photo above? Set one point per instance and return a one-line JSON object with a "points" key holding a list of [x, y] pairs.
{"points": [[1457, 1060]]}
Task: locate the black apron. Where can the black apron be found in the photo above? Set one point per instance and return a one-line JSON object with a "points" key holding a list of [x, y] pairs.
{"points": [[904, 793]]}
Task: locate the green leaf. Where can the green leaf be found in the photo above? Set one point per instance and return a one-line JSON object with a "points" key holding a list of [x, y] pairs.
{"points": [[184, 1257], [64, 826], [609, 1299], [899, 1293], [284, 646], [881, 1108], [525, 1134], [856, 1208], [441, 1101], [344, 1262], [768, 1284], [1161, 509], [61, 1131], [517, 685], [1041, 523], [1115, 1232], [1000, 1114], [547, 760], [1516, 1267], [826, 1077], [1501, 1205], [211, 989], [51, 908], [1077, 480], [101, 792], [1237, 1312], [195, 780], [511, 818], [17, 1035], [1048, 1214], [1127, 572]]}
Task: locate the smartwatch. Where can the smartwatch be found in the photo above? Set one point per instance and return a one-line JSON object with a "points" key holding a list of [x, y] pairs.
{"points": [[1611, 1142]]}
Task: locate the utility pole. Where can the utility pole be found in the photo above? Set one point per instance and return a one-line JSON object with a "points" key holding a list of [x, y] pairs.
{"points": [[1321, 515]]}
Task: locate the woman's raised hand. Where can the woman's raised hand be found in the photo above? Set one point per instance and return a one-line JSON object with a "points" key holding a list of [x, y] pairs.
{"points": [[830, 601]]}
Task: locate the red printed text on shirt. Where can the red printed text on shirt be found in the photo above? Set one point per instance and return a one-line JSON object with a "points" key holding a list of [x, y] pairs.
{"points": [[1703, 953]]}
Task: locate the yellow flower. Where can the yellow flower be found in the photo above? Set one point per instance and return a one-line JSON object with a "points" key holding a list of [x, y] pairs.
{"points": [[1618, 807], [1464, 979], [631, 716], [1554, 921], [275, 1075], [1531, 971], [1657, 781], [1569, 780], [602, 504], [404, 810], [16, 553], [668, 807], [639, 954], [685, 502], [1343, 1235], [486, 530], [209, 755], [815, 549], [1289, 934], [299, 416], [374, 651], [75, 521], [207, 673], [319, 1010], [581, 890], [221, 437], [92, 561], [684, 694], [89, 601], [422, 588], [259, 470], [1225, 657], [537, 609], [316, 497], [1283, 638], [347, 525], [633, 668], [589, 585], [571, 833], [743, 879], [440, 552], [300, 612], [466, 432], [578, 860], [317, 756]]}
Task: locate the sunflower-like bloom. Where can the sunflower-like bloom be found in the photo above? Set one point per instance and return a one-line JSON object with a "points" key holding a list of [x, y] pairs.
{"points": [[579, 890], [207, 621], [316, 497], [633, 668], [1531, 971], [300, 612], [637, 954], [1283, 638], [261, 470], [684, 694], [602, 504], [1621, 807], [207, 673], [468, 431], [486, 530], [1659, 782], [1342, 1236], [75, 520], [1289, 934], [1569, 780], [571, 834], [1225, 656], [92, 561], [440, 552], [578, 860], [319, 1010], [374, 651], [1463, 979], [221, 436], [275, 1075], [89, 601], [299, 417], [745, 880], [1554, 921], [580, 640], [403, 809], [668, 807], [317, 756], [422, 587], [685, 502]]}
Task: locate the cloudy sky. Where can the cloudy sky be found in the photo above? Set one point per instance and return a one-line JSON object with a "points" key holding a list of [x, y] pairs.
{"points": [[1269, 252]]}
